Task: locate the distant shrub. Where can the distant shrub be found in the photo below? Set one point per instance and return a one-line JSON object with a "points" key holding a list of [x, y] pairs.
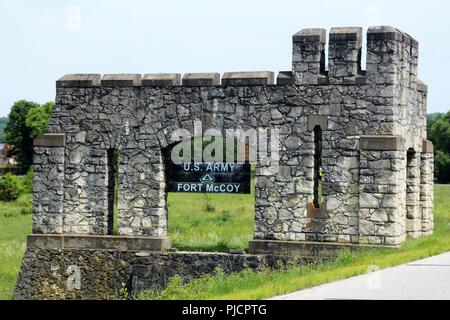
{"points": [[10, 187]]}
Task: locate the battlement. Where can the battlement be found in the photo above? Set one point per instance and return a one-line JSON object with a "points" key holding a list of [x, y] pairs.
{"points": [[391, 58]]}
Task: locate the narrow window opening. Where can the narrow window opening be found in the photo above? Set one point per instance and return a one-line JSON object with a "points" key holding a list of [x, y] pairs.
{"points": [[317, 166], [323, 62], [113, 178]]}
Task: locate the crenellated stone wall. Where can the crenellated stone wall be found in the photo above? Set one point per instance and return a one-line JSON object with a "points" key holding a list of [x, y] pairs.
{"points": [[377, 178]]}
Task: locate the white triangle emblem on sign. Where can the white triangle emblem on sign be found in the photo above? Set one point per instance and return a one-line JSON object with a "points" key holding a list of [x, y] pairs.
{"points": [[207, 178]]}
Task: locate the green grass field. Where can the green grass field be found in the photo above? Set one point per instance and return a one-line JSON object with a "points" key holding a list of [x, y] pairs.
{"points": [[222, 222], [250, 285], [200, 222], [15, 225]]}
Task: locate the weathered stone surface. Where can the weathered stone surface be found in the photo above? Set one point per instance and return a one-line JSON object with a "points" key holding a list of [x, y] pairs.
{"points": [[285, 77], [311, 35], [121, 80], [161, 79], [427, 146], [68, 241], [78, 80], [250, 78], [382, 143], [50, 140], [316, 120], [346, 34], [302, 248], [201, 79]]}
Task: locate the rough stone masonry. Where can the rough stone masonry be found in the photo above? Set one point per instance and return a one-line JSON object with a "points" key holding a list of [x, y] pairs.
{"points": [[377, 164]]}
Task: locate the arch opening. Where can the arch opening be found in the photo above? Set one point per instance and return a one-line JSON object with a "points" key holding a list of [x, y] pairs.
{"points": [[209, 219]]}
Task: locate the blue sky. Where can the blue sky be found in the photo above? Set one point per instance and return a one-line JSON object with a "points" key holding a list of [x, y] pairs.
{"points": [[43, 40]]}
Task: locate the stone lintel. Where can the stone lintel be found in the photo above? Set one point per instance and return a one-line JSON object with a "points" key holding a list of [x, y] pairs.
{"points": [[161, 79], [121, 80], [78, 80], [305, 248], [201, 79], [285, 77], [346, 34], [383, 33], [382, 143], [317, 213], [122, 243], [310, 35], [50, 140], [248, 78], [317, 120], [427, 146]]}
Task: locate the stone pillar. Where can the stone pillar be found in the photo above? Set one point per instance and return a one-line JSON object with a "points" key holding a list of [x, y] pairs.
{"points": [[48, 183], [308, 57], [413, 214], [426, 187], [382, 190], [344, 55], [141, 195]]}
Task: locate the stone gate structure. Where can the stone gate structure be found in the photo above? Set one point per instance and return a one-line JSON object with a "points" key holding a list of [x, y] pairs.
{"points": [[377, 164]]}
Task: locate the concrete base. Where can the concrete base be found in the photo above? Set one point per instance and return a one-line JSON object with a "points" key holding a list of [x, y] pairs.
{"points": [[121, 243], [304, 248]]}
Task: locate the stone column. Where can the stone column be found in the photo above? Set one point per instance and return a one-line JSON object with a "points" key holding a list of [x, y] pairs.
{"points": [[426, 187], [141, 194], [382, 190], [48, 183], [413, 214]]}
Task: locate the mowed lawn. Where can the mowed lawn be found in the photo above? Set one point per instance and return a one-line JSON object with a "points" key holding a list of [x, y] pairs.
{"points": [[223, 222], [212, 222]]}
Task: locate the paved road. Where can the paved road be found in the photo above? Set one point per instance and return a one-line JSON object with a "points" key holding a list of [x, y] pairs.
{"points": [[424, 279]]}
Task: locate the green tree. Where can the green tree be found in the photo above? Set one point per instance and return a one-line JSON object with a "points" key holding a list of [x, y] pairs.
{"points": [[3, 122], [18, 133], [26, 121], [37, 119], [439, 134]]}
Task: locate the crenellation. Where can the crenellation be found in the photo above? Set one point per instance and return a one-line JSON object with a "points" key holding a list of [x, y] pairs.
{"points": [[201, 79], [78, 80], [308, 56], [121, 80], [344, 54], [248, 78], [285, 78], [161, 79]]}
